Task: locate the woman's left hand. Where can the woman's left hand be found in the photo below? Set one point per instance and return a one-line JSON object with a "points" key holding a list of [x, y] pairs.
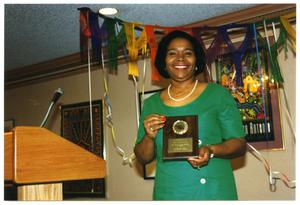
{"points": [[202, 159]]}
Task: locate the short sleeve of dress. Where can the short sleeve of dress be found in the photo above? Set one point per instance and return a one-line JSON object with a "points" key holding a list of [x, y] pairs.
{"points": [[141, 130], [230, 117]]}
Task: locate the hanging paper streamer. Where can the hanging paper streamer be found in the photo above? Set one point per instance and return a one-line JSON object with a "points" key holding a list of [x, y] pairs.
{"points": [[292, 37], [122, 38], [142, 42], [262, 84], [214, 50], [85, 32], [126, 160], [288, 27], [271, 51], [113, 42], [239, 52], [89, 28], [95, 35], [273, 175], [153, 47], [133, 47]]}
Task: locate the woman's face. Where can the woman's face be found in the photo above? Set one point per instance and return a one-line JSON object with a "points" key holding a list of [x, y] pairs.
{"points": [[180, 60]]}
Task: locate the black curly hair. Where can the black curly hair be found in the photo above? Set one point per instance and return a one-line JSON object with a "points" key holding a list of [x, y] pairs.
{"points": [[160, 58]]}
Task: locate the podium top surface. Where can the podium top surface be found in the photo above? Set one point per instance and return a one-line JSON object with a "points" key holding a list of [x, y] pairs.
{"points": [[39, 156]]}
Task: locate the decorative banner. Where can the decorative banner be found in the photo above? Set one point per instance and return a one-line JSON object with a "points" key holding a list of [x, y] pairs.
{"points": [[133, 46], [89, 28], [288, 27], [215, 48], [239, 52], [85, 33], [113, 39], [271, 51], [153, 47], [96, 35], [112, 43]]}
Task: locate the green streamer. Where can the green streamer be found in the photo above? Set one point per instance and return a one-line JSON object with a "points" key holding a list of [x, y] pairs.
{"points": [[272, 52], [113, 42]]}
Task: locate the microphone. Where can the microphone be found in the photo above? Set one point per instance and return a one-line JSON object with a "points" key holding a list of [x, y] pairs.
{"points": [[57, 94]]}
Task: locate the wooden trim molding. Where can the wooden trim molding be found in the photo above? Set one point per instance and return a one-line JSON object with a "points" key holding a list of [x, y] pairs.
{"points": [[248, 15], [69, 65], [42, 71]]}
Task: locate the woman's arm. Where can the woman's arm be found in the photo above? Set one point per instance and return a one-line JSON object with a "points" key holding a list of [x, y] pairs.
{"points": [[229, 149], [145, 150]]}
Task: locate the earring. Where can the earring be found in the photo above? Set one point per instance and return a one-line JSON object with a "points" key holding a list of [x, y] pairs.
{"points": [[196, 68]]}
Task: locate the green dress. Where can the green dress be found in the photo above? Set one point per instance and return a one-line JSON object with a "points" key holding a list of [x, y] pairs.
{"points": [[218, 120]]}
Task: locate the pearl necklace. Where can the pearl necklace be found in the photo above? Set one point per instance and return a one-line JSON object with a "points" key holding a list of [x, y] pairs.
{"points": [[183, 98]]}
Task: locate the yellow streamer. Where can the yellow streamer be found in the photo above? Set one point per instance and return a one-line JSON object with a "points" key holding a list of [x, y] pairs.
{"points": [[134, 45], [126, 159], [288, 27], [290, 15]]}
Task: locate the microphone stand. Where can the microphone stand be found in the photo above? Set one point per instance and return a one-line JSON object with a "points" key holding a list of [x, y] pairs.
{"points": [[47, 114], [58, 93]]}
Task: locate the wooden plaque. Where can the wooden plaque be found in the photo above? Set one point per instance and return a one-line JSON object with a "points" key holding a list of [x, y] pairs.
{"points": [[180, 137]]}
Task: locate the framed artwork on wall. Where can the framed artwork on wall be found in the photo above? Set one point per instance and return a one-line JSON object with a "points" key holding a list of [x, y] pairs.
{"points": [[76, 127], [148, 169], [258, 105]]}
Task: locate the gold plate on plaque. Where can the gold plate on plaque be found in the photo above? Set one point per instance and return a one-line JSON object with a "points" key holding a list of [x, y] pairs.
{"points": [[180, 127]]}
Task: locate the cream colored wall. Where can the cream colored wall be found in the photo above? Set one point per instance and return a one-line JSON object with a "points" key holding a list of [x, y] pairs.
{"points": [[28, 105], [252, 179]]}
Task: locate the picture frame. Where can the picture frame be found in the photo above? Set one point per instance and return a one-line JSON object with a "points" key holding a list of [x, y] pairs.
{"points": [[9, 124], [150, 168], [263, 126], [76, 127]]}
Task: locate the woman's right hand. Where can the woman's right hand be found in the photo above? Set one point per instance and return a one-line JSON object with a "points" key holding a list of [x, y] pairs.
{"points": [[152, 123]]}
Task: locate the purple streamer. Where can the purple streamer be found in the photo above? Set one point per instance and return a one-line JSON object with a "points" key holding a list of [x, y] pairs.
{"points": [[215, 48], [95, 35], [239, 52]]}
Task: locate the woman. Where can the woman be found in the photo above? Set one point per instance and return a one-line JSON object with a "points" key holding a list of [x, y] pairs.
{"points": [[208, 176]]}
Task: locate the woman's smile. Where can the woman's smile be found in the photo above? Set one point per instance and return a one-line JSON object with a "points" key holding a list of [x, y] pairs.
{"points": [[180, 67]]}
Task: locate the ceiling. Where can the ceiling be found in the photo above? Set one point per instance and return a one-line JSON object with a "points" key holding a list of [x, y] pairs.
{"points": [[36, 33]]}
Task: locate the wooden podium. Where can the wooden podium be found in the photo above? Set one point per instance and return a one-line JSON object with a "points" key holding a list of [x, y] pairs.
{"points": [[38, 160]]}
